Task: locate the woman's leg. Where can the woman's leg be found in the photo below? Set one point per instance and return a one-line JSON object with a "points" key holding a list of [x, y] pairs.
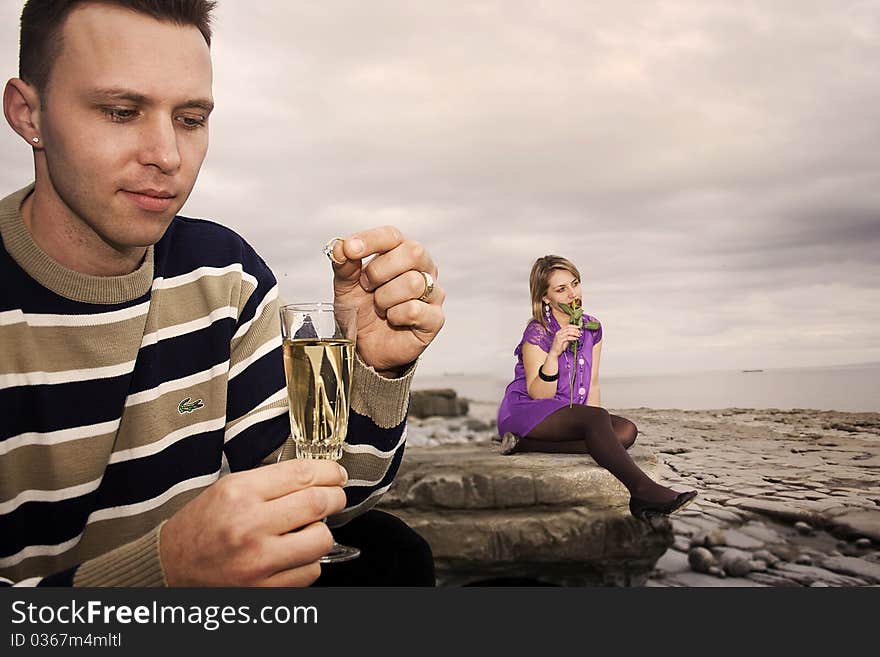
{"points": [[625, 430], [592, 427]]}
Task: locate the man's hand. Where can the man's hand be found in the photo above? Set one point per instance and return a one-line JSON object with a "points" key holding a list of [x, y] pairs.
{"points": [[256, 528], [395, 325]]}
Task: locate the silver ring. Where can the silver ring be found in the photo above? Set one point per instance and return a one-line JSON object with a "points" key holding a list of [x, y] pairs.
{"points": [[429, 285], [328, 250]]}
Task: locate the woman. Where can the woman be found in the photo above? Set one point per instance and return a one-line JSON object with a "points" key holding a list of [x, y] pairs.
{"points": [[543, 410]]}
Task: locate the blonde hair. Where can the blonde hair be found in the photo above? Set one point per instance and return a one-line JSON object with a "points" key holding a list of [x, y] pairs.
{"points": [[539, 282]]}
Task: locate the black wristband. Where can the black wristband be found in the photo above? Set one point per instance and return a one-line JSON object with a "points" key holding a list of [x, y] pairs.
{"points": [[547, 377]]}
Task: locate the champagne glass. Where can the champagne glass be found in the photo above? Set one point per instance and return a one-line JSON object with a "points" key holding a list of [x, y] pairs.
{"points": [[319, 344]]}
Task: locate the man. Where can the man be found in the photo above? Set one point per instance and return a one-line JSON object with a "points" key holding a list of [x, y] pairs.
{"points": [[138, 348]]}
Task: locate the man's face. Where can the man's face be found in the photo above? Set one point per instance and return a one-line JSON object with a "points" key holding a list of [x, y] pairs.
{"points": [[124, 121]]}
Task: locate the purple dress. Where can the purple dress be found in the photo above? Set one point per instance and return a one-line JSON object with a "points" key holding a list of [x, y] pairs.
{"points": [[518, 412]]}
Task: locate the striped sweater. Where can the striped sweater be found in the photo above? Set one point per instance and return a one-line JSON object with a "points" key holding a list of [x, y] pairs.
{"points": [[120, 398]]}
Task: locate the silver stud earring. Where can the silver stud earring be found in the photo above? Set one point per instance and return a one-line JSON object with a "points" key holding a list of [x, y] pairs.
{"points": [[36, 140]]}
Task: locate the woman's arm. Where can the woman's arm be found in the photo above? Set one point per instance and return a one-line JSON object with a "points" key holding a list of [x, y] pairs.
{"points": [[594, 397], [535, 357]]}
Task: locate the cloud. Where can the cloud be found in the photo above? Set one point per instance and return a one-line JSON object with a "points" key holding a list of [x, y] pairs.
{"points": [[711, 167]]}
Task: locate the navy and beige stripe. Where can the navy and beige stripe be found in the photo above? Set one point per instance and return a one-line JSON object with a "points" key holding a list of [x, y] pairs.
{"points": [[120, 396]]}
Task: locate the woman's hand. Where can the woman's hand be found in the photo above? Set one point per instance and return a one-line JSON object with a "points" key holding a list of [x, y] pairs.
{"points": [[563, 337]]}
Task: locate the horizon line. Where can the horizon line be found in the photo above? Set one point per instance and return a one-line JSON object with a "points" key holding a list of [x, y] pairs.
{"points": [[607, 376]]}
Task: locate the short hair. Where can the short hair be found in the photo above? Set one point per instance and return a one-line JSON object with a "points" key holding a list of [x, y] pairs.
{"points": [[42, 22], [539, 281]]}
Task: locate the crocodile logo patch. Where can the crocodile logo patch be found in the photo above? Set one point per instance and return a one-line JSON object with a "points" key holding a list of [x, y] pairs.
{"points": [[186, 406]]}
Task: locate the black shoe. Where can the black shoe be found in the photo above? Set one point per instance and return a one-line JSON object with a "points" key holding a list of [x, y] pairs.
{"points": [[644, 510]]}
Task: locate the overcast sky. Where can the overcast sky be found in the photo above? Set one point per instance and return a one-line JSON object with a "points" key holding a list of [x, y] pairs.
{"points": [[712, 167]]}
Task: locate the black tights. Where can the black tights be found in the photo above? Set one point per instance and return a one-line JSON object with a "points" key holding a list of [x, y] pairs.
{"points": [[593, 430]]}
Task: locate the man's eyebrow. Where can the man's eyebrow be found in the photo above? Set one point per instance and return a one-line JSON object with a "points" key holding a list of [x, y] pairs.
{"points": [[117, 93], [201, 103]]}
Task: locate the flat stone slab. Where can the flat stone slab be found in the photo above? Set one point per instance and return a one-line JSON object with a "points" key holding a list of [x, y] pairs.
{"points": [[858, 524], [737, 539], [808, 575], [790, 511], [691, 579], [856, 567], [761, 532], [673, 562], [554, 518]]}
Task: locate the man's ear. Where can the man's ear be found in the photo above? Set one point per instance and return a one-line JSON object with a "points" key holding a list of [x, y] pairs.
{"points": [[21, 106]]}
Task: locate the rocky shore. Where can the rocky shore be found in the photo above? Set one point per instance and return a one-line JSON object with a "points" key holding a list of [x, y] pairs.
{"points": [[787, 497]]}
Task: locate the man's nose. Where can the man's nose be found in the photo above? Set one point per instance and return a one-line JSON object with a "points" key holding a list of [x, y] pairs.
{"points": [[159, 145]]}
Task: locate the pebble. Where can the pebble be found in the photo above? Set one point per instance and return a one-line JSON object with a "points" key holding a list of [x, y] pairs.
{"points": [[804, 560], [803, 528], [785, 552], [766, 556], [735, 565], [717, 571], [681, 544], [708, 538], [701, 559], [863, 543]]}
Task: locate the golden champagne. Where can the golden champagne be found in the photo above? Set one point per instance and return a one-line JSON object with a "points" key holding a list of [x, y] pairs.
{"points": [[318, 372]]}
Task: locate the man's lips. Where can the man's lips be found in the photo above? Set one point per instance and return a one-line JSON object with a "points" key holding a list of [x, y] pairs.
{"points": [[152, 200]]}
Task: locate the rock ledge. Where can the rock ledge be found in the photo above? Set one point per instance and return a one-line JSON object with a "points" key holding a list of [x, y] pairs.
{"points": [[549, 518]]}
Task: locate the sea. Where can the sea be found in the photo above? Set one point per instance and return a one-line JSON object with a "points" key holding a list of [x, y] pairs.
{"points": [[840, 388]]}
